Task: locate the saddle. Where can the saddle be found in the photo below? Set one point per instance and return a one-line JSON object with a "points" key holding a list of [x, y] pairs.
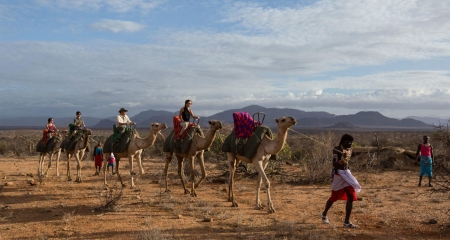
{"points": [[247, 135], [49, 143], [70, 142], [122, 146], [171, 145]]}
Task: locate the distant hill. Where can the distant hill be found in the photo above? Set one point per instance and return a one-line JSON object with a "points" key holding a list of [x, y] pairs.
{"points": [[142, 117], [342, 125], [430, 120], [271, 114], [366, 119], [105, 124]]}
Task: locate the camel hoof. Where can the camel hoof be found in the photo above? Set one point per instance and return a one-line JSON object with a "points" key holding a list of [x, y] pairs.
{"points": [[193, 194], [186, 191], [234, 205], [260, 207], [167, 190], [69, 179], [124, 185], [271, 210], [133, 173]]}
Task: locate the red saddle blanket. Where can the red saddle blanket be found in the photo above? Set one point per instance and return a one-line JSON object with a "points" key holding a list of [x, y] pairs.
{"points": [[177, 127], [244, 124]]}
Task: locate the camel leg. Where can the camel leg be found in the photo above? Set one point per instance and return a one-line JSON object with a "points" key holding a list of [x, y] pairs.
{"points": [[130, 159], [201, 162], [81, 154], [138, 157], [41, 163], [69, 178], [181, 173], [49, 164], [77, 157], [232, 162], [260, 166], [118, 173], [105, 166], [166, 169], [259, 206], [191, 167], [58, 154]]}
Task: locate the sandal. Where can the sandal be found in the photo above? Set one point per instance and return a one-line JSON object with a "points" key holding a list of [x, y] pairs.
{"points": [[325, 219], [350, 225]]}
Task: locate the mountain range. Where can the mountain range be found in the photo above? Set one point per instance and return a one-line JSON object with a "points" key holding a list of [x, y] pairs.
{"points": [[363, 119]]}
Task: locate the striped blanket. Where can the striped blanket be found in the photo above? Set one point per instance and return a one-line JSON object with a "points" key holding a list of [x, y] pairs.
{"points": [[244, 124]]}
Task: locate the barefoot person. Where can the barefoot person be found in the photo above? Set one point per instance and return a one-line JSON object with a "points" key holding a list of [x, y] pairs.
{"points": [[185, 114], [426, 160], [344, 185]]}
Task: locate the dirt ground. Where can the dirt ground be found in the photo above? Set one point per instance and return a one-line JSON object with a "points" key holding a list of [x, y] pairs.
{"points": [[392, 206]]}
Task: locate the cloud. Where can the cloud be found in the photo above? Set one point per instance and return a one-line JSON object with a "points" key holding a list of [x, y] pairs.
{"points": [[120, 6], [295, 56], [117, 26]]}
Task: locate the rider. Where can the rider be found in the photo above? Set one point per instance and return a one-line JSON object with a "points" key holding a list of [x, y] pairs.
{"points": [[185, 114], [121, 121], [77, 123], [49, 129]]}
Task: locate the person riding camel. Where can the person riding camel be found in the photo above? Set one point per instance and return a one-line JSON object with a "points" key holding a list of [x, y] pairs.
{"points": [[121, 121], [50, 128], [185, 114], [77, 123]]}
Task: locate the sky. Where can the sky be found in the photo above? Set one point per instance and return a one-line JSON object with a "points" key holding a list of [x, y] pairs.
{"points": [[339, 56]]}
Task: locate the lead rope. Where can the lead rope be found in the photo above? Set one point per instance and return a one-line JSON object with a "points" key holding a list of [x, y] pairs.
{"points": [[312, 139]]}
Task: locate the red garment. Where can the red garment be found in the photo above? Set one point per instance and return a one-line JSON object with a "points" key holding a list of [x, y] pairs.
{"points": [[44, 137], [177, 127], [342, 195], [425, 150], [98, 160]]}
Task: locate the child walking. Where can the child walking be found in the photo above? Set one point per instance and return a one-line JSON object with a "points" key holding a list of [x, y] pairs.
{"points": [[426, 160], [111, 163]]}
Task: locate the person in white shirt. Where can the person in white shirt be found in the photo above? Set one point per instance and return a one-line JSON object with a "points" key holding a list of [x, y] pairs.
{"points": [[121, 121]]}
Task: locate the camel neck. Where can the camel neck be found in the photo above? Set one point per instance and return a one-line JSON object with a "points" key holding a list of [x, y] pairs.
{"points": [[206, 142], [275, 146]]}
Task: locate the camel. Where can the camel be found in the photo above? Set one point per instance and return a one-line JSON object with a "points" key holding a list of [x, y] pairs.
{"points": [[55, 150], [196, 149], [260, 161], [78, 153], [135, 148]]}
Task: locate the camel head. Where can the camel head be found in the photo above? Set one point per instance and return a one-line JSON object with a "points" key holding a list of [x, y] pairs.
{"points": [[285, 122], [156, 127], [87, 132], [215, 125]]}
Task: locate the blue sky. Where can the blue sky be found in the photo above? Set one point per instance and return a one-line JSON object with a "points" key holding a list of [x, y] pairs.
{"points": [[340, 56]]}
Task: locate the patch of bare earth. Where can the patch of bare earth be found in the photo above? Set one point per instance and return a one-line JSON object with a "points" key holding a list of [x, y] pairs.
{"points": [[392, 206]]}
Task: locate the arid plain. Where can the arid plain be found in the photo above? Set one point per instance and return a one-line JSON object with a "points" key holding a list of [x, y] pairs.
{"points": [[391, 204]]}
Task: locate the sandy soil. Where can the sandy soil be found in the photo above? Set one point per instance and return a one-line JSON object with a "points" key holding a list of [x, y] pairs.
{"points": [[392, 206]]}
